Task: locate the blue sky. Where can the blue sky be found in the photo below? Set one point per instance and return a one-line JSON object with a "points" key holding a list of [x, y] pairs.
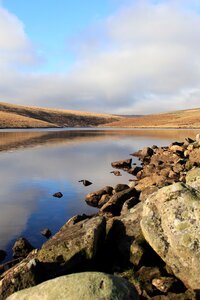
{"points": [[52, 24], [105, 56]]}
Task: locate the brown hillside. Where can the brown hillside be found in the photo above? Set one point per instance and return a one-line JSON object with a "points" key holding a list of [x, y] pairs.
{"points": [[18, 116], [179, 119]]}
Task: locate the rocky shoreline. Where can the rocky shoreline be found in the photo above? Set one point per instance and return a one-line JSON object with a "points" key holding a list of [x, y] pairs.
{"points": [[144, 242]]}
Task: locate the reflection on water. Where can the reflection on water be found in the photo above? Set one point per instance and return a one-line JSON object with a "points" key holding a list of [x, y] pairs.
{"points": [[31, 174]]}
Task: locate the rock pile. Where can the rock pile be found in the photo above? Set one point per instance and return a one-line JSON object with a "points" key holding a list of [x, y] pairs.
{"points": [[146, 232]]}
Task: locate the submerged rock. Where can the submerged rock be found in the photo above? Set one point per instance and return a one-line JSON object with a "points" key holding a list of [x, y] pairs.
{"points": [[84, 286], [170, 224]]}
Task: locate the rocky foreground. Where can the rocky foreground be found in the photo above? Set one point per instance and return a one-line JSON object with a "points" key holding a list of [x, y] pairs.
{"points": [[144, 243]]}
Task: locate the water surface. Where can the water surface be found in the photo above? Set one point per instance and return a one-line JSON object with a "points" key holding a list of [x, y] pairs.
{"points": [[36, 164]]}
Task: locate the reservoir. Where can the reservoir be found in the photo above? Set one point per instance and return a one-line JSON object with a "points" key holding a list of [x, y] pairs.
{"points": [[35, 164]]}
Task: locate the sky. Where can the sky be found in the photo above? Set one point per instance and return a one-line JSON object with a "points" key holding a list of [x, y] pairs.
{"points": [[108, 56]]}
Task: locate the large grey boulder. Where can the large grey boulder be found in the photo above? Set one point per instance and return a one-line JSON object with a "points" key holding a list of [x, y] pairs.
{"points": [[74, 247], [84, 286], [170, 224]]}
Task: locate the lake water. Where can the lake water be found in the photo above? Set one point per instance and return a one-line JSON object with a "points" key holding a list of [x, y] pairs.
{"points": [[36, 164]]}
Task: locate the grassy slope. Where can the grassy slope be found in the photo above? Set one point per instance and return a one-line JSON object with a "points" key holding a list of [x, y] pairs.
{"points": [[17, 116], [179, 119]]}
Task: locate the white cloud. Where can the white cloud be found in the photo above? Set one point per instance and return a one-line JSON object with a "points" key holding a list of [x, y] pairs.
{"points": [[15, 47], [145, 58]]}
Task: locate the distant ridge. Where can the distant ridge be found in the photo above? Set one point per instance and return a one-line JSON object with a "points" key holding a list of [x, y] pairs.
{"points": [[20, 116], [177, 119]]}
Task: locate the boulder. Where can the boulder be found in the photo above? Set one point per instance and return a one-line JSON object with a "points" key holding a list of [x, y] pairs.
{"points": [[84, 286], [170, 224], [21, 248], [134, 170], [164, 155], [77, 218], [115, 203], [125, 239], [147, 151], [120, 164], [128, 204], [194, 157], [154, 179], [147, 192], [175, 148], [73, 246], [193, 178], [93, 198], [104, 199], [120, 187], [25, 274]]}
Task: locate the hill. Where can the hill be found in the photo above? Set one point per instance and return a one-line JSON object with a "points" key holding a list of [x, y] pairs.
{"points": [[178, 119], [18, 116]]}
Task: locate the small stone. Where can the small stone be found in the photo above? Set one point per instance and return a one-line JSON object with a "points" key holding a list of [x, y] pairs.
{"points": [[122, 163], [116, 173], [58, 195], [85, 182], [46, 232], [163, 284], [189, 140]]}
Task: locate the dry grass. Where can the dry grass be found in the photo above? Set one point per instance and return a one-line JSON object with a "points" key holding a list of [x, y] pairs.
{"points": [[18, 116], [12, 120], [178, 119]]}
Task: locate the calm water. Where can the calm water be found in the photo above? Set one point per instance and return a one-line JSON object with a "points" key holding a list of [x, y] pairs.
{"points": [[36, 164]]}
